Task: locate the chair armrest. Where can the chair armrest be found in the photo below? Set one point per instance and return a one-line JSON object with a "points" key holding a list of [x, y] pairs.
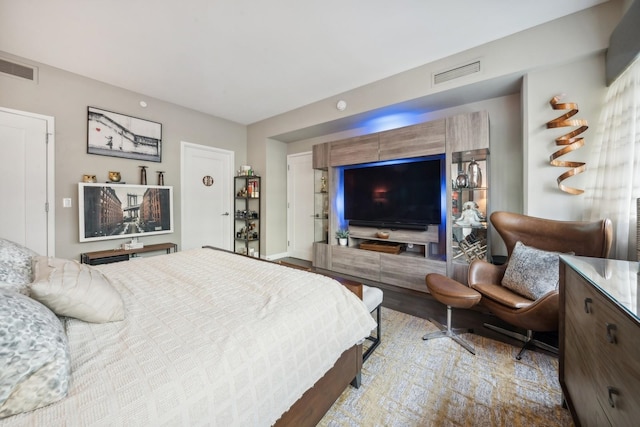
{"points": [[483, 272]]}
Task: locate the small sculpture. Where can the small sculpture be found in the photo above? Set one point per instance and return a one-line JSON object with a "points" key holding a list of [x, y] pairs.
{"points": [[471, 215], [143, 175]]}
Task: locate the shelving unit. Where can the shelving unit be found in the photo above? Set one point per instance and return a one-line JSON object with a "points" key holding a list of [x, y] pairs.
{"points": [[469, 207], [321, 206], [247, 215]]}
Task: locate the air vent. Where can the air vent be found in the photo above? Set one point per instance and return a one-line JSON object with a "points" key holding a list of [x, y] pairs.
{"points": [[456, 73], [18, 70]]}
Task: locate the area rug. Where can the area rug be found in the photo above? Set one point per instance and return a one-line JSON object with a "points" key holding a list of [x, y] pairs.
{"points": [[411, 382]]}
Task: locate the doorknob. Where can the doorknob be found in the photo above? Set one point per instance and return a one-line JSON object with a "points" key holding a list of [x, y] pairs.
{"points": [[225, 214]]}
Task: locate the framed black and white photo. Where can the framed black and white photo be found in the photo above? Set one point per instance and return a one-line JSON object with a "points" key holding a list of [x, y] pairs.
{"points": [[119, 135]]}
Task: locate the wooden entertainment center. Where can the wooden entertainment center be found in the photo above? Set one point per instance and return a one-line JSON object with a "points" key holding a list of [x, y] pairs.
{"points": [[461, 138]]}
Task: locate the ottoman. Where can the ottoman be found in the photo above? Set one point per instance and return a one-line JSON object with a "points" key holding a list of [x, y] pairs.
{"points": [[454, 295]]}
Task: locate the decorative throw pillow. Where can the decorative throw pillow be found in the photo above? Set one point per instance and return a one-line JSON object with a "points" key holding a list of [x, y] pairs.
{"points": [[34, 355], [72, 289], [15, 266], [531, 272]]}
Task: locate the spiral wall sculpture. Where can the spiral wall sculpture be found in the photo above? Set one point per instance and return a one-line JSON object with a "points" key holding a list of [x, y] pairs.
{"points": [[569, 141]]}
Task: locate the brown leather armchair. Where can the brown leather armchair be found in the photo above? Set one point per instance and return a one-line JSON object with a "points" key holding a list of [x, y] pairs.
{"points": [[591, 239]]}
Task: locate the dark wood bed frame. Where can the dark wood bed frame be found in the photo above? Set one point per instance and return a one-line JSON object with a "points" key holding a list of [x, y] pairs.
{"points": [[316, 401]]}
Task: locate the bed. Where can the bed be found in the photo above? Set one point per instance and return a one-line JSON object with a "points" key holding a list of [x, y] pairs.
{"points": [[208, 338]]}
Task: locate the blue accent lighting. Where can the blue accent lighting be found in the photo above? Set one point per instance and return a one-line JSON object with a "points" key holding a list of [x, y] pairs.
{"points": [[392, 121]]}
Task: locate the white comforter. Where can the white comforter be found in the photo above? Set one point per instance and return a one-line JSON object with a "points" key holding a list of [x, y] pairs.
{"points": [[209, 338]]}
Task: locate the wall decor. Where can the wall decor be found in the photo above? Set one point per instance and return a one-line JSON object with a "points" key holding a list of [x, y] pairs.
{"points": [[119, 135], [122, 211], [570, 141]]}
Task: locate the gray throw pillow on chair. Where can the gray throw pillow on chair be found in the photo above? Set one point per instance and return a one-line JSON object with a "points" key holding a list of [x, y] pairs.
{"points": [[531, 272]]}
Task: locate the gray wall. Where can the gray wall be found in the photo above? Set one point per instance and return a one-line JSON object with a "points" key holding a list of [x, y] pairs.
{"points": [[557, 57], [66, 96]]}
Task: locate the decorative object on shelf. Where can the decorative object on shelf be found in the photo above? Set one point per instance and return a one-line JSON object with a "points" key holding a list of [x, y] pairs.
{"points": [[323, 184], [462, 181], [470, 216], [89, 178], [119, 135], [143, 175], [160, 177], [382, 234], [570, 141], [207, 180], [114, 176], [342, 235], [474, 174]]}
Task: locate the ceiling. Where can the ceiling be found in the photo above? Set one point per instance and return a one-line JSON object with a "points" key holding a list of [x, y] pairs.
{"points": [[246, 61]]}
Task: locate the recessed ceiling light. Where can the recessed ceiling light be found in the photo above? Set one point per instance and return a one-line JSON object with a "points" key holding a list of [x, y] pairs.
{"points": [[143, 104], [341, 105]]}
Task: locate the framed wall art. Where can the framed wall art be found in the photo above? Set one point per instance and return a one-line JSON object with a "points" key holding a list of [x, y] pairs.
{"points": [[117, 211], [119, 135]]}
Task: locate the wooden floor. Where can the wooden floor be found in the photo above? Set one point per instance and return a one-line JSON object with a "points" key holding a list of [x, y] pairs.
{"points": [[422, 304]]}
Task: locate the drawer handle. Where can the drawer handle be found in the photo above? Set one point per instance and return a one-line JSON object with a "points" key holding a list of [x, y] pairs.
{"points": [[611, 332], [612, 391], [587, 308]]}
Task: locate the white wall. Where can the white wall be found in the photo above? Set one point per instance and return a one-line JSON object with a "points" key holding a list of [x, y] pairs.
{"points": [[66, 97], [583, 83]]}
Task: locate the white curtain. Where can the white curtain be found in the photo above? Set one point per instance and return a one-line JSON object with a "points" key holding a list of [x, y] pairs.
{"points": [[615, 185]]}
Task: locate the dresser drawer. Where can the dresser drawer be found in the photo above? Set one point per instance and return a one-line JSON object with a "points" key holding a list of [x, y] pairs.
{"points": [[602, 355]]}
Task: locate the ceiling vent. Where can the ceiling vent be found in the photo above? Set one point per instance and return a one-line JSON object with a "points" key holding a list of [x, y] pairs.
{"points": [[18, 70], [455, 73]]}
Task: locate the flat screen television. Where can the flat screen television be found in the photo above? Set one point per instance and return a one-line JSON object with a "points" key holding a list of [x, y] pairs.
{"points": [[400, 194], [116, 211]]}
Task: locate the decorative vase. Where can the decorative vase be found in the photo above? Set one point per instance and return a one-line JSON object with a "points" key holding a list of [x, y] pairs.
{"points": [[474, 175], [143, 175], [114, 176], [462, 181], [342, 241]]}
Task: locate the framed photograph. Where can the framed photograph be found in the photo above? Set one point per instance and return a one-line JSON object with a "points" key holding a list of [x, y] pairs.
{"points": [[118, 135], [117, 211]]}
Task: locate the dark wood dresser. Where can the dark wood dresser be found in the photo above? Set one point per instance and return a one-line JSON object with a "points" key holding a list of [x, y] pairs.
{"points": [[600, 340]]}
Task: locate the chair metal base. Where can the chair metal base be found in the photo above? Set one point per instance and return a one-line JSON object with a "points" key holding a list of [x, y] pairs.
{"points": [[375, 340], [528, 340], [448, 331]]}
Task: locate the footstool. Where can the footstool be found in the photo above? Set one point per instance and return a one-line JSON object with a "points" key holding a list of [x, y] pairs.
{"points": [[454, 295]]}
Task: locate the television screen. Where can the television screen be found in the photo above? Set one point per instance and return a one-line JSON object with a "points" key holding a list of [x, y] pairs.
{"points": [[116, 211], [394, 195]]}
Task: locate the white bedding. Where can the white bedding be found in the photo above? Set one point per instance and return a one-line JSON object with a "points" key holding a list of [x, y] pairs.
{"points": [[209, 338]]}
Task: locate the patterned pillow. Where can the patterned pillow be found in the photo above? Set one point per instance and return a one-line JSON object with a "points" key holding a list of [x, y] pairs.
{"points": [[34, 355], [531, 272], [15, 266], [72, 289]]}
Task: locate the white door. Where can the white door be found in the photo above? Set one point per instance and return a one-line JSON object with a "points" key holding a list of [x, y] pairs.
{"points": [[300, 205], [207, 192], [26, 180]]}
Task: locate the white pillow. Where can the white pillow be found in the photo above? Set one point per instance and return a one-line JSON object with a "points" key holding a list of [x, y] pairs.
{"points": [[72, 289], [34, 355], [532, 272]]}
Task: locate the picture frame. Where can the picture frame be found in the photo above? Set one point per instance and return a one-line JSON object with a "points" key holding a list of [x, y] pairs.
{"points": [[118, 211], [119, 135]]}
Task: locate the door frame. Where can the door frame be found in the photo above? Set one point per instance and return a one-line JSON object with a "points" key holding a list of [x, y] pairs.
{"points": [[50, 184], [230, 155]]}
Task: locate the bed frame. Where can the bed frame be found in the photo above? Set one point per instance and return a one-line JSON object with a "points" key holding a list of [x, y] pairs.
{"points": [[315, 402]]}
